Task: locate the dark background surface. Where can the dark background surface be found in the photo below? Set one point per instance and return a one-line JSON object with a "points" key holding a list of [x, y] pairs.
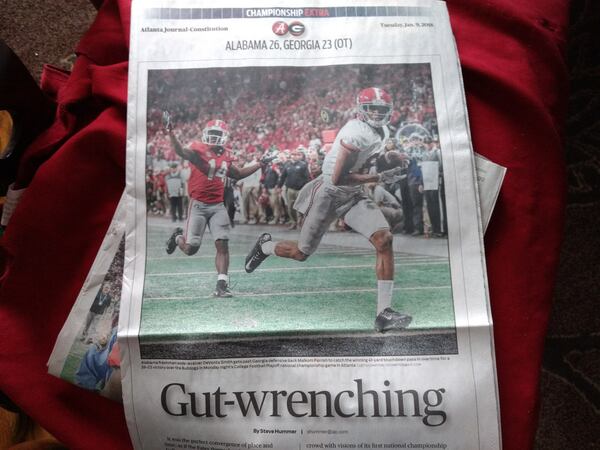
{"points": [[47, 32]]}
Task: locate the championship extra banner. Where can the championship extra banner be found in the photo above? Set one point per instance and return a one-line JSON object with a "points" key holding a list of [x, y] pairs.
{"points": [[304, 262]]}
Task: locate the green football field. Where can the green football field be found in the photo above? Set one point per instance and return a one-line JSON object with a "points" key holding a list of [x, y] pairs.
{"points": [[333, 292], [73, 360]]}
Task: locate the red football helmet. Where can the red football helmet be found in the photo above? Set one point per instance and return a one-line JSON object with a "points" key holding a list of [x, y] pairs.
{"points": [[216, 132], [374, 106]]}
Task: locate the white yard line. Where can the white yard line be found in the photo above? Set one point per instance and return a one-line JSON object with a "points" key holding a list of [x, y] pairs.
{"points": [[326, 291], [288, 269]]}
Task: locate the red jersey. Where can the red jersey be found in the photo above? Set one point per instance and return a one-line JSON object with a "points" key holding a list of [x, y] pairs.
{"points": [[209, 188]]}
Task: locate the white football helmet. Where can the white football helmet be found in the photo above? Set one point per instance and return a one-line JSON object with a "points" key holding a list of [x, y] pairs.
{"points": [[374, 106]]}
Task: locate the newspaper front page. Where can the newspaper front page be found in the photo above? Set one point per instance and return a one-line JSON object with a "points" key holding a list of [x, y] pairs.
{"points": [[274, 295]]}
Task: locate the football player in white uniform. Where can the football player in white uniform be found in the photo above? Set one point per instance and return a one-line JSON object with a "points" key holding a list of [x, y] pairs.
{"points": [[338, 193]]}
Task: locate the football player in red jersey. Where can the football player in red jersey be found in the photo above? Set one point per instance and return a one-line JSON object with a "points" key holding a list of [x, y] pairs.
{"points": [[338, 193], [212, 163]]}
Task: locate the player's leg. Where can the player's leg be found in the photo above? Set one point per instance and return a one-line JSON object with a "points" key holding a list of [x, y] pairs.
{"points": [[384, 265], [366, 219], [265, 247], [222, 256], [222, 266], [218, 224], [189, 240], [319, 215]]}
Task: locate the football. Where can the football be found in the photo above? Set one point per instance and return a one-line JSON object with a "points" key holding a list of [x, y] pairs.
{"points": [[394, 158]]}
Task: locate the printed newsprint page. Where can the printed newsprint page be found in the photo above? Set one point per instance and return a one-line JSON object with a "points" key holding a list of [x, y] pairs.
{"points": [[304, 264], [489, 181], [88, 356], [86, 350], [86, 353]]}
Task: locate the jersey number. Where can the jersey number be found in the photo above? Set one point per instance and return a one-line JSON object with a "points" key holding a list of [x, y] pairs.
{"points": [[213, 172]]}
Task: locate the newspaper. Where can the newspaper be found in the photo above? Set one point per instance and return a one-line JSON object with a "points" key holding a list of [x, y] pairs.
{"points": [[357, 325], [85, 352], [489, 180], [79, 341]]}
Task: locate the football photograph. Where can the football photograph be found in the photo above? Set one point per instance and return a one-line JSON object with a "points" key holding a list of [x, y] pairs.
{"points": [[295, 211]]}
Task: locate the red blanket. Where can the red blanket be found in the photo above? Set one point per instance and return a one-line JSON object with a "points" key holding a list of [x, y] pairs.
{"points": [[512, 54]]}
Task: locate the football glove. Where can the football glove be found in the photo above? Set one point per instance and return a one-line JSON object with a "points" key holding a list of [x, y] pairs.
{"points": [[391, 176], [268, 157], [166, 118]]}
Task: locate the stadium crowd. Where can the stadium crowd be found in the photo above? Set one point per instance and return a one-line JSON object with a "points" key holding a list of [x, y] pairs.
{"points": [[295, 112]]}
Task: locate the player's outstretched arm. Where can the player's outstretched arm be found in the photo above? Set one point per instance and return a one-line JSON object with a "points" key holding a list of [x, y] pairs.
{"points": [[238, 173], [184, 153]]}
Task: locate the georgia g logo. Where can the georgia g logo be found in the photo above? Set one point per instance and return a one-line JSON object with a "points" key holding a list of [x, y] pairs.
{"points": [[296, 28], [280, 28]]}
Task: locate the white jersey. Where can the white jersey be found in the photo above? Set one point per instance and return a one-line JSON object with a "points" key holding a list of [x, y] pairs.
{"points": [[360, 135]]}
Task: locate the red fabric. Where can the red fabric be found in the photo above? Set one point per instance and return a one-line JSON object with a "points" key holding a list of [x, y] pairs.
{"points": [[75, 174], [211, 188], [512, 53], [513, 60]]}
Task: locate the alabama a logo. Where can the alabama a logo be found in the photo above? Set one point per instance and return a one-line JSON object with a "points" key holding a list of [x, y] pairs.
{"points": [[295, 28], [280, 28]]}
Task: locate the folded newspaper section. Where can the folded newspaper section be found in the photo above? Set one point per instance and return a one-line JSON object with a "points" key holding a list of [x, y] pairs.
{"points": [[489, 180], [86, 351], [310, 336]]}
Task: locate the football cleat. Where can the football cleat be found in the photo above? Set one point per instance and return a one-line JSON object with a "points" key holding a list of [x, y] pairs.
{"points": [[222, 290], [172, 241], [256, 255], [388, 319]]}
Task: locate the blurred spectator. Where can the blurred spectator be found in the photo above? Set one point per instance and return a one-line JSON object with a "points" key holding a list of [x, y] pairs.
{"points": [[416, 151], [432, 186], [294, 176], [229, 199], [250, 187], [264, 205], [270, 182], [186, 172], [175, 192]]}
